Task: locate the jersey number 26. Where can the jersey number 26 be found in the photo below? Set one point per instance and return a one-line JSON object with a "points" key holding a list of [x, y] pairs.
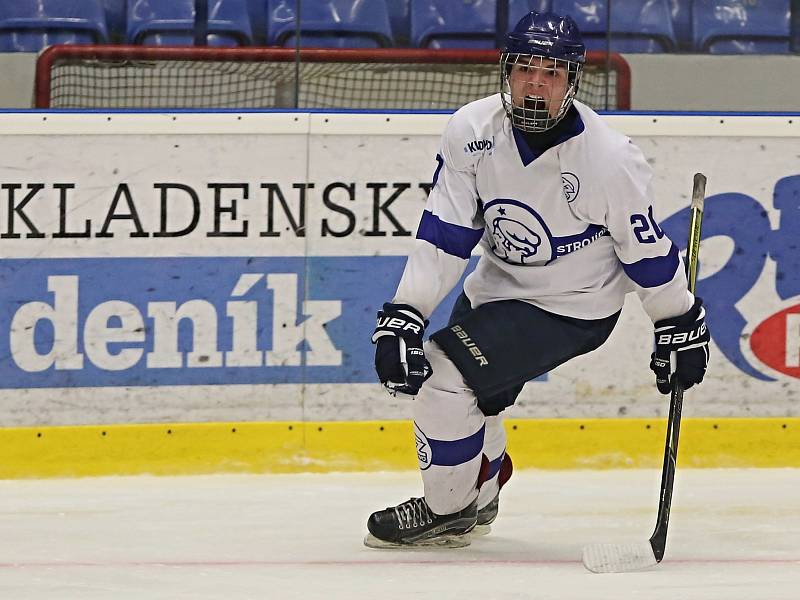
{"points": [[645, 228]]}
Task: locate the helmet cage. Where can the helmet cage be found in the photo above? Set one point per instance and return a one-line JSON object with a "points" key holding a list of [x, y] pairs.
{"points": [[535, 114]]}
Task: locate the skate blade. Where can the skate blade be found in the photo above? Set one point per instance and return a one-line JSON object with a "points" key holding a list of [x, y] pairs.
{"points": [[481, 530], [444, 541]]}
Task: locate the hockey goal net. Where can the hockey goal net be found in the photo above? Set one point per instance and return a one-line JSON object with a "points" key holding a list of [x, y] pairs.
{"points": [[142, 77]]}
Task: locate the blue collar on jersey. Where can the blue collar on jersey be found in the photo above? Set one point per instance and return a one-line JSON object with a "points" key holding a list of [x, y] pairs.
{"points": [[570, 126]]}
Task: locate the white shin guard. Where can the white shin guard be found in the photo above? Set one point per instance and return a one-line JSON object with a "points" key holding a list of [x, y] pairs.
{"points": [[452, 435]]}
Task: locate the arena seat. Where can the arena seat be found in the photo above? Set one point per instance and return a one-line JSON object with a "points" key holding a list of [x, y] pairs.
{"points": [[400, 20], [258, 21], [463, 23], [636, 25], [330, 24], [171, 23], [681, 13], [116, 18], [30, 25], [736, 27]]}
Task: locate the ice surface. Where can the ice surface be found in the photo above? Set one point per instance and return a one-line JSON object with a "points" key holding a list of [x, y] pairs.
{"points": [[734, 535]]}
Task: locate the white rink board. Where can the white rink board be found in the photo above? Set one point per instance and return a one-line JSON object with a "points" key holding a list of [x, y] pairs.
{"points": [[112, 295]]}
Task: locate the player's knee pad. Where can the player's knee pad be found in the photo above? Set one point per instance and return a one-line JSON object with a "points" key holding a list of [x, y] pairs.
{"points": [[446, 376], [446, 408]]}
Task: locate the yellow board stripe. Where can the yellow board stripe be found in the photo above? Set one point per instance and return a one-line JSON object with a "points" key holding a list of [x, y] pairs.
{"points": [[293, 447]]}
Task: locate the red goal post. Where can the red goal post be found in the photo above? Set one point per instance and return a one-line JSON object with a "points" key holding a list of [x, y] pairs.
{"points": [[148, 77]]}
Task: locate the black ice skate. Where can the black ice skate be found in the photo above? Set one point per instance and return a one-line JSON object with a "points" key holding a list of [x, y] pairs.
{"points": [[487, 515], [414, 524]]}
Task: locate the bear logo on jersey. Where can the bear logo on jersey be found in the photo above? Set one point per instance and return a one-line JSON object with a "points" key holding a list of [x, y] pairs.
{"points": [[572, 185], [514, 238], [519, 236]]}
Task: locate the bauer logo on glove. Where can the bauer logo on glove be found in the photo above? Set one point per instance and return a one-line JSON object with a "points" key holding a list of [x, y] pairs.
{"points": [[682, 337], [681, 349], [399, 358], [390, 323]]}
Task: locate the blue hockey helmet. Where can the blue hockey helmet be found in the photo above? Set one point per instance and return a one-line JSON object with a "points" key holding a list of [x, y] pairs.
{"points": [[541, 43]]}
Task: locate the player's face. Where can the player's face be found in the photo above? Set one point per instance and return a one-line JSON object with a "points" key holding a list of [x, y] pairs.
{"points": [[541, 81]]}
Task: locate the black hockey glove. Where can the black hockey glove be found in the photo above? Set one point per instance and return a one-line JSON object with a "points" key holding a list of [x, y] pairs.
{"points": [[687, 336], [399, 360]]}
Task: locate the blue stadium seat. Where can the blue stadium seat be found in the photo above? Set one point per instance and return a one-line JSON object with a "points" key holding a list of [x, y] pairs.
{"points": [[681, 13], [400, 20], [258, 20], [519, 8], [463, 23], [636, 25], [116, 18], [330, 24], [171, 23], [30, 25], [737, 27]]}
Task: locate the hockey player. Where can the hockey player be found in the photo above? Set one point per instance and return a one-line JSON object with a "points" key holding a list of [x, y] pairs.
{"points": [[562, 206]]}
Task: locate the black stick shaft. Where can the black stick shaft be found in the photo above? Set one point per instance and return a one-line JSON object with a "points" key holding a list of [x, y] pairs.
{"points": [[658, 541]]}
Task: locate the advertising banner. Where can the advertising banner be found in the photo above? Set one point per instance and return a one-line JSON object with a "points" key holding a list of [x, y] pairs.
{"points": [[194, 276]]}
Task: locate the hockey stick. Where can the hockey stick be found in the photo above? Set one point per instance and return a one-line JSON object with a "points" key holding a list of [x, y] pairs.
{"points": [[619, 558]]}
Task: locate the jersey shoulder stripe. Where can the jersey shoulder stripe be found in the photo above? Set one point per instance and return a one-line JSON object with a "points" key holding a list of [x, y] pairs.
{"points": [[452, 239]]}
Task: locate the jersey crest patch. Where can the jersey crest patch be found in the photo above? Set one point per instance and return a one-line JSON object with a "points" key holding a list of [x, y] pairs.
{"points": [[572, 185], [519, 235]]}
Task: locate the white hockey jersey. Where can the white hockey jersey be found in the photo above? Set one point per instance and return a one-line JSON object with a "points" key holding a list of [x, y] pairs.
{"points": [[570, 230]]}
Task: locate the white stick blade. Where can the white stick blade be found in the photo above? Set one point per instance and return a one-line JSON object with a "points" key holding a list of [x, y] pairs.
{"points": [[618, 558]]}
